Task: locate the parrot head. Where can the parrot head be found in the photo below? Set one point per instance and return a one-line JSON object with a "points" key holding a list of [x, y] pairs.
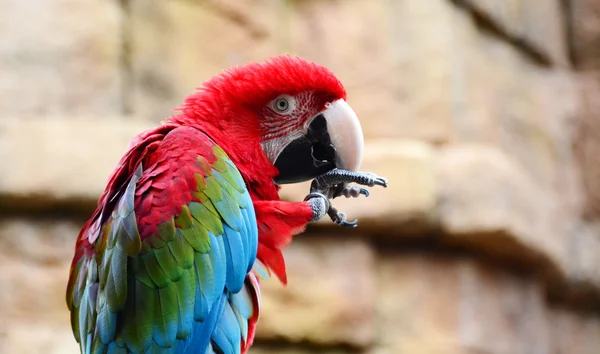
{"points": [[296, 110]]}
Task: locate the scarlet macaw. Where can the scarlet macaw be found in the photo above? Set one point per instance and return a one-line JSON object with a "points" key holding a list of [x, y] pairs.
{"points": [[168, 262]]}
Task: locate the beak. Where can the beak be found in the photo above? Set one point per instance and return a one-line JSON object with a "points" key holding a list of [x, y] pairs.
{"points": [[334, 139]]}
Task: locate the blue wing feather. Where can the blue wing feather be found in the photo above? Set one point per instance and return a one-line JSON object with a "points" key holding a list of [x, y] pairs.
{"points": [[236, 265]]}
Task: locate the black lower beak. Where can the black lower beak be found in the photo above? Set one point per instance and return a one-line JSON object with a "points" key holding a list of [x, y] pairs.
{"points": [[307, 157]]}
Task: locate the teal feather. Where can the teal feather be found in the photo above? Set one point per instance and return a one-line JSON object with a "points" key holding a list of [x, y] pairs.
{"points": [[139, 316], [261, 270], [233, 175], [182, 252], [84, 322], [242, 322], [207, 216], [158, 276], [116, 284], [126, 226], [196, 236], [106, 323], [168, 264], [113, 348], [165, 316], [228, 333], [78, 282], [242, 302], [236, 270], [156, 242], [251, 244], [88, 344], [141, 274], [185, 304], [221, 341], [229, 206], [211, 276]]}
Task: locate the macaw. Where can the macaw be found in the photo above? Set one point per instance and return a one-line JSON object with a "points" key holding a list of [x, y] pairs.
{"points": [[191, 216]]}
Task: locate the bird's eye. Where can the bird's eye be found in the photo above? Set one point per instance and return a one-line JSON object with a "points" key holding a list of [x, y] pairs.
{"points": [[283, 104]]}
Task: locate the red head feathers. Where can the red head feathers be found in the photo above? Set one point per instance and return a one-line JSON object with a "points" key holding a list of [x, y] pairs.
{"points": [[230, 107]]}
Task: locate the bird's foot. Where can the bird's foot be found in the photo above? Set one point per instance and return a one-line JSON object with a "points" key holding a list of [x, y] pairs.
{"points": [[334, 184]]}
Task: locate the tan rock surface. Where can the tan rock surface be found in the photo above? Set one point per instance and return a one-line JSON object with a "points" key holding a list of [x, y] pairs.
{"points": [[36, 257], [538, 26], [34, 267], [582, 254], [417, 304], [489, 204], [30, 336], [426, 52], [586, 33], [329, 298], [483, 191], [61, 158], [513, 309], [544, 26], [525, 110], [60, 57], [488, 200], [179, 44], [573, 334], [587, 142], [437, 304], [475, 85], [505, 15]]}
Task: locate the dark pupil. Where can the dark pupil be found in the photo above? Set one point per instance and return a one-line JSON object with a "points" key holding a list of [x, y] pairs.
{"points": [[282, 104]]}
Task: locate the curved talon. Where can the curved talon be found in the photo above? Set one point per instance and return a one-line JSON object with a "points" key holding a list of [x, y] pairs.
{"points": [[380, 181], [345, 223], [339, 218]]}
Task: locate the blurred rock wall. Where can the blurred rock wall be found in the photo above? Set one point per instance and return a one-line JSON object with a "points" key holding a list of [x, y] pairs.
{"points": [[482, 113]]}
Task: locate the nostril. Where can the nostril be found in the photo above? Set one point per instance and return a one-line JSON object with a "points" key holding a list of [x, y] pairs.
{"points": [[322, 151], [322, 154], [317, 131]]}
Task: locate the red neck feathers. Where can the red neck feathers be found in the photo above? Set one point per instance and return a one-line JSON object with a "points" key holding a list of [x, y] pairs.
{"points": [[241, 142]]}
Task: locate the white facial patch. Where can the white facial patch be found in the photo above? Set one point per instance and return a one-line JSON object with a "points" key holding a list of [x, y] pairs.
{"points": [[274, 147]]}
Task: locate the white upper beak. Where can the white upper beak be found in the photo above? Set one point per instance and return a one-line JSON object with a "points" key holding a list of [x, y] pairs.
{"points": [[346, 134]]}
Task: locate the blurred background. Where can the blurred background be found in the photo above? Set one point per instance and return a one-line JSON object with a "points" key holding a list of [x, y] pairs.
{"points": [[483, 114]]}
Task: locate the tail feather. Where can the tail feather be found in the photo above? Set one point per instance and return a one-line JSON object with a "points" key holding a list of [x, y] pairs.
{"points": [[234, 332]]}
